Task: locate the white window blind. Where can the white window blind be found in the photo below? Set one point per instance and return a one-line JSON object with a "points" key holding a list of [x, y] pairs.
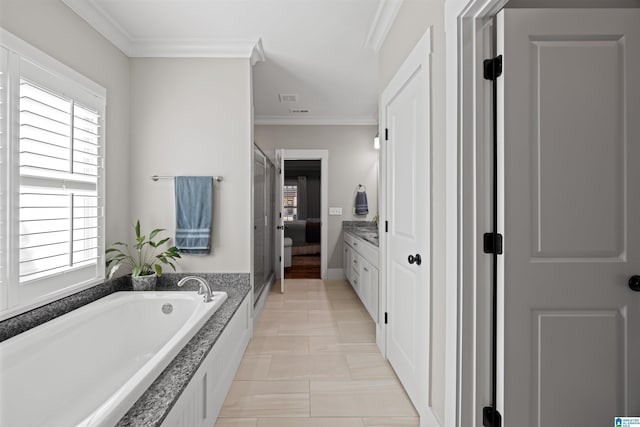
{"points": [[52, 178], [3, 176], [59, 160]]}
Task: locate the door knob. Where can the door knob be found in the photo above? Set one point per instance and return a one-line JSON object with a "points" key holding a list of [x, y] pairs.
{"points": [[415, 259], [634, 283], [280, 227]]}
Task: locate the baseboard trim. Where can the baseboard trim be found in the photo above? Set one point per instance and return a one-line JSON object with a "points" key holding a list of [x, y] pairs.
{"points": [[335, 274]]}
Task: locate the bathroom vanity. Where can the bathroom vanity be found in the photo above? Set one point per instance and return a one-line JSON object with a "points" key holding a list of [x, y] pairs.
{"points": [[361, 265]]}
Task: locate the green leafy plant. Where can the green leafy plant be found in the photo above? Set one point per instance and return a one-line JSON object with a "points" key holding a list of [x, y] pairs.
{"points": [[144, 259]]}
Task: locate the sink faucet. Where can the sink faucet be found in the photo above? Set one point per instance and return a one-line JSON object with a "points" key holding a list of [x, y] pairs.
{"points": [[205, 288]]}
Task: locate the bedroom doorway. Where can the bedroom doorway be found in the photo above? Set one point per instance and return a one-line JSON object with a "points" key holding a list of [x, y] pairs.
{"points": [[301, 215], [302, 210]]}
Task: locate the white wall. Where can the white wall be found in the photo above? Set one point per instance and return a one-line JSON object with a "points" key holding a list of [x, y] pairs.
{"points": [[352, 161], [193, 117], [55, 29], [413, 19]]}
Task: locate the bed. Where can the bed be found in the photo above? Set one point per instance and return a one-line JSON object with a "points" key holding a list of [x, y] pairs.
{"points": [[305, 234]]}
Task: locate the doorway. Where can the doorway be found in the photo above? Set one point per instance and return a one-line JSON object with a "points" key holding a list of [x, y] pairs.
{"points": [[302, 212], [301, 215]]}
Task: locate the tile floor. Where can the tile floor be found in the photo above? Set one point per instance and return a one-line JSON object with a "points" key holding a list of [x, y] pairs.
{"points": [[313, 362]]}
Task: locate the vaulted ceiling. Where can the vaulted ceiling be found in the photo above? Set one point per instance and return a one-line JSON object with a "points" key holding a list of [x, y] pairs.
{"points": [[322, 51]]}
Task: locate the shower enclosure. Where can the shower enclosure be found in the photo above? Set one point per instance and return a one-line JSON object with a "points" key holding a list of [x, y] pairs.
{"points": [[264, 173]]}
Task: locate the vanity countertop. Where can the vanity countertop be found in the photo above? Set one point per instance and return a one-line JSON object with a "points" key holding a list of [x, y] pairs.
{"points": [[365, 230]]}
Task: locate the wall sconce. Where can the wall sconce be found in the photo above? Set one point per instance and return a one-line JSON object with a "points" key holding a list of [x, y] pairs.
{"points": [[376, 142]]}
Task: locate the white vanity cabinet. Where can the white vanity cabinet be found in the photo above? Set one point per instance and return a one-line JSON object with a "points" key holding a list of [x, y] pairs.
{"points": [[360, 263], [346, 261], [201, 401]]}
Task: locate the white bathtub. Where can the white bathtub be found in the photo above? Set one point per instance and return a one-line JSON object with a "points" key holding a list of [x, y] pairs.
{"points": [[88, 367]]}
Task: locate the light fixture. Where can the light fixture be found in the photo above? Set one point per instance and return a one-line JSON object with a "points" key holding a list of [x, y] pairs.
{"points": [[376, 142]]}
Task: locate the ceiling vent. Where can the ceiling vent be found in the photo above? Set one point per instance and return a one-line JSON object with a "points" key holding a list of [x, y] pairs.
{"points": [[288, 97], [298, 110]]}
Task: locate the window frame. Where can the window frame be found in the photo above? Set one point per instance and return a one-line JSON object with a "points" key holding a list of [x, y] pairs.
{"points": [[26, 61]]}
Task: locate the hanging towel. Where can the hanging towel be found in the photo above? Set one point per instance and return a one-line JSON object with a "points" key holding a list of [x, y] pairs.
{"points": [[362, 207], [193, 214]]}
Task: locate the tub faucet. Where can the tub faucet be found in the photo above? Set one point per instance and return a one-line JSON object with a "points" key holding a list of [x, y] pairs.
{"points": [[205, 288]]}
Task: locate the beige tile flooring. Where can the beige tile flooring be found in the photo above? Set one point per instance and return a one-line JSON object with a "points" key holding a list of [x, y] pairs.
{"points": [[313, 362]]}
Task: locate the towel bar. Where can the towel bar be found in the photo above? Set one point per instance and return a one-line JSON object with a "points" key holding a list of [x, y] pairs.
{"points": [[157, 177]]}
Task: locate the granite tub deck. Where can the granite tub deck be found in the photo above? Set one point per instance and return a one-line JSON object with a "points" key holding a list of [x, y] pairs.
{"points": [[153, 406], [365, 230]]}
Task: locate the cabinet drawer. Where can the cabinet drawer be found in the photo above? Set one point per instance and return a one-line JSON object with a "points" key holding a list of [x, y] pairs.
{"points": [[369, 252], [349, 239], [364, 248]]}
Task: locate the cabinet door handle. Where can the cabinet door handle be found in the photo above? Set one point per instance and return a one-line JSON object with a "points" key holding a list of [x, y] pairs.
{"points": [[355, 243], [355, 261], [366, 269]]}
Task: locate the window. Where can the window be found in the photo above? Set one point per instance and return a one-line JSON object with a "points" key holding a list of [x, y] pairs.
{"points": [[52, 200], [290, 202]]}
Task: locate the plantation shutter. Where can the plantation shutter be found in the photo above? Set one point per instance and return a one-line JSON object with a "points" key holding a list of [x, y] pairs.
{"points": [[61, 179], [51, 178], [4, 185], [59, 159]]}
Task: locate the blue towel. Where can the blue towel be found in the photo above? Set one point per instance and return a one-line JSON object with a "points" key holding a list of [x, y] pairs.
{"points": [[362, 207], [193, 214]]}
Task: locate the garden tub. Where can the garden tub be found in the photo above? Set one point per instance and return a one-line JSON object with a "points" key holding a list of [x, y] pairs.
{"points": [[88, 367]]}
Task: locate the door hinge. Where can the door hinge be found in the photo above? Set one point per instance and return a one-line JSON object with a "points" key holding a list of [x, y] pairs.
{"points": [[492, 68], [493, 243], [386, 226], [491, 417], [280, 214], [280, 258], [386, 134], [386, 317]]}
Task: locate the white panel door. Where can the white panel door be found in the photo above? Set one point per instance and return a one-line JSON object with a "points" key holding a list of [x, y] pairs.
{"points": [[569, 125], [406, 117]]}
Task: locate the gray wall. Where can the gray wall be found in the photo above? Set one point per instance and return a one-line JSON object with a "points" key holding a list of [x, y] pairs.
{"points": [[193, 117], [55, 29], [352, 161], [413, 19]]}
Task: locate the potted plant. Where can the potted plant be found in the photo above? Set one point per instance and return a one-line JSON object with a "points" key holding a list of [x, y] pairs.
{"points": [[145, 262]]}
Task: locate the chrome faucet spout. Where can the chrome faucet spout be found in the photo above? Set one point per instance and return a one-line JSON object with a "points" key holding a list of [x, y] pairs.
{"points": [[204, 289]]}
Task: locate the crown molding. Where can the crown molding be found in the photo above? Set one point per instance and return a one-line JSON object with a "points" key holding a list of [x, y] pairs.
{"points": [[102, 22], [385, 15], [316, 120], [197, 48]]}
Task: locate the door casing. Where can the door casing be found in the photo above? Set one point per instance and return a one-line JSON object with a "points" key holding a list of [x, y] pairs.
{"points": [[468, 188]]}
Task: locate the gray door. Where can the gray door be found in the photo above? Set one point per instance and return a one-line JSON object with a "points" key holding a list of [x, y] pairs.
{"points": [[569, 125]]}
